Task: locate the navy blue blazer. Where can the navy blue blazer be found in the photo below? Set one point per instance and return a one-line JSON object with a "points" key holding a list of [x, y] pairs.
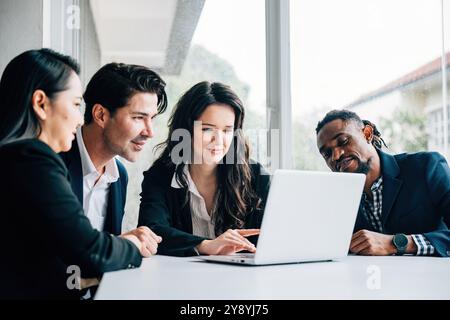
{"points": [[416, 198], [117, 190]]}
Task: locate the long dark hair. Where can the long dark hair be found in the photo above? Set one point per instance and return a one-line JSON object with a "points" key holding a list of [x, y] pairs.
{"points": [[32, 70], [235, 195]]}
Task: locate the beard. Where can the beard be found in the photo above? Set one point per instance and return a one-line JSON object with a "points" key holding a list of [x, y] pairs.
{"points": [[363, 166]]}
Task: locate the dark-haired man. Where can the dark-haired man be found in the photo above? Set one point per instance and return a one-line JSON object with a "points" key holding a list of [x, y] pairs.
{"points": [[121, 102], [405, 206]]}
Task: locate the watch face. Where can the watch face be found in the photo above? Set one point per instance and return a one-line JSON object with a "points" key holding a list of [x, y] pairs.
{"points": [[400, 240]]}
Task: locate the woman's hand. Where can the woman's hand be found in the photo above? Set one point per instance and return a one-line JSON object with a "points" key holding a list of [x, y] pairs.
{"points": [[229, 242]]}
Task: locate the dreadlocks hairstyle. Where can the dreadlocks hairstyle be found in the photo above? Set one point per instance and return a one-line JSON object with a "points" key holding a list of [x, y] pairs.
{"points": [[347, 115], [377, 141]]}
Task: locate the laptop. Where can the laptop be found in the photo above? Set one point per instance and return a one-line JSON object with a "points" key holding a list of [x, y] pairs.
{"points": [[309, 216]]}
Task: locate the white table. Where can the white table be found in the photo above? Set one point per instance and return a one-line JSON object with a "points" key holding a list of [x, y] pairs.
{"points": [[355, 277]]}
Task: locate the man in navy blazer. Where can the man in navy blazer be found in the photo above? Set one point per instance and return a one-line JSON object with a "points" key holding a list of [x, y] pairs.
{"points": [[117, 190], [121, 102], [405, 207]]}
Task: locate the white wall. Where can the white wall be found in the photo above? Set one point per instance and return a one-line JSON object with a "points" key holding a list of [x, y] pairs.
{"points": [[20, 28], [90, 54], [383, 106]]}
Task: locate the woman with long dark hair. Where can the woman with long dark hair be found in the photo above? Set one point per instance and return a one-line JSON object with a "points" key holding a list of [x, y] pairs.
{"points": [[203, 195], [47, 244]]}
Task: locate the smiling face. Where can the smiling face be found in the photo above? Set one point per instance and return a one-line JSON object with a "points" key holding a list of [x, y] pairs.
{"points": [[62, 116], [213, 133], [126, 132], [345, 146]]}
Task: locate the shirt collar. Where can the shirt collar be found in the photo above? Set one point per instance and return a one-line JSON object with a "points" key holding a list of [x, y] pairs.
{"points": [[191, 185], [377, 184], [111, 169]]}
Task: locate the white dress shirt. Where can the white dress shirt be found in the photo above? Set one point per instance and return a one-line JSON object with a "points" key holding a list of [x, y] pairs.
{"points": [[202, 222], [95, 197]]}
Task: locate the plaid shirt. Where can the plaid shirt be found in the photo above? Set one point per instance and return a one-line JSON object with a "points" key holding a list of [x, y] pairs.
{"points": [[373, 209]]}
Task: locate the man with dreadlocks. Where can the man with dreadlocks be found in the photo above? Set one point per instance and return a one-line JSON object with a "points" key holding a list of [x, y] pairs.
{"points": [[405, 207]]}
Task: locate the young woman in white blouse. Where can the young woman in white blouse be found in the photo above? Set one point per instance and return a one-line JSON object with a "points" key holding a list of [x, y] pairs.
{"points": [[203, 195]]}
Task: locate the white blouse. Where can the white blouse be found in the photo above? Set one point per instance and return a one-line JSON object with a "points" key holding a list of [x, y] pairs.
{"points": [[202, 222]]}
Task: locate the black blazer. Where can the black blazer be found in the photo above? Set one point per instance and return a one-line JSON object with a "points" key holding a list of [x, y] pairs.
{"points": [[162, 209], [44, 229], [416, 198], [117, 190]]}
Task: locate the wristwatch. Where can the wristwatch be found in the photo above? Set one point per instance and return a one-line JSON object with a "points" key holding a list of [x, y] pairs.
{"points": [[400, 241]]}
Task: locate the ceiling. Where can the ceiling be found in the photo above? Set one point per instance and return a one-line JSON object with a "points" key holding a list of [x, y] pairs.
{"points": [[154, 33]]}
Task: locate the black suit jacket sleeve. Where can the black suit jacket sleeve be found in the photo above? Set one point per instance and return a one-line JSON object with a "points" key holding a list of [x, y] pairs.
{"points": [[438, 182], [41, 179], [155, 213], [161, 205]]}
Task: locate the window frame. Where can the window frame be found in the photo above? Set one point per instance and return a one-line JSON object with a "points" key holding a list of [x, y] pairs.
{"points": [[278, 84], [278, 72]]}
